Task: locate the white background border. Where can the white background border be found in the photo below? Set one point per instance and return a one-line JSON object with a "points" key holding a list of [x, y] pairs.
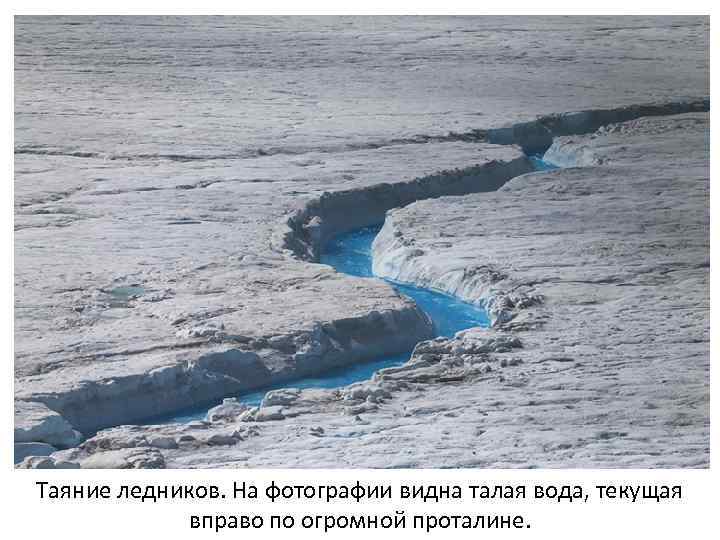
{"points": [[28, 517]]}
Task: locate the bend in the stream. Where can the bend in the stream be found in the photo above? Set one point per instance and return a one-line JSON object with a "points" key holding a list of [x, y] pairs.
{"points": [[303, 234], [351, 253]]}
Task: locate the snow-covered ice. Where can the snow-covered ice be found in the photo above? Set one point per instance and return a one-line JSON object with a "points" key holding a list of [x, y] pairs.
{"points": [[176, 178]]}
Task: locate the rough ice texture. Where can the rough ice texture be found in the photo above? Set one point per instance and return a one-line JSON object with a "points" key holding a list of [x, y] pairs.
{"points": [[601, 271], [242, 314], [36, 422], [607, 367], [169, 197]]}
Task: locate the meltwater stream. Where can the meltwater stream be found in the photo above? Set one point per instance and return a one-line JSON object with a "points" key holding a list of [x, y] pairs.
{"points": [[351, 253]]}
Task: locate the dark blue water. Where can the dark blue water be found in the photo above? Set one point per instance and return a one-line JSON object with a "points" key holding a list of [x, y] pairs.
{"points": [[539, 164]]}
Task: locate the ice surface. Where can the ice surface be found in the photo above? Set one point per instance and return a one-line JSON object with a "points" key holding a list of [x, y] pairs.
{"points": [[159, 157]]}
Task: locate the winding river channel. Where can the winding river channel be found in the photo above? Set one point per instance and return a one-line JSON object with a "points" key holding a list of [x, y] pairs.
{"points": [[351, 253]]}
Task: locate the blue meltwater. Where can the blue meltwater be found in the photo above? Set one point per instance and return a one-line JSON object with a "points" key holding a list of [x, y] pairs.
{"points": [[351, 253]]}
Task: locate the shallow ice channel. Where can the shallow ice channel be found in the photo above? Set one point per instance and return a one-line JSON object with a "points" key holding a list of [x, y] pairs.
{"points": [[351, 253]]}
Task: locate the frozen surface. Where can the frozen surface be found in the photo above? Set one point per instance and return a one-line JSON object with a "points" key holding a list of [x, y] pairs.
{"points": [[601, 357], [192, 89], [158, 159], [602, 271], [351, 253]]}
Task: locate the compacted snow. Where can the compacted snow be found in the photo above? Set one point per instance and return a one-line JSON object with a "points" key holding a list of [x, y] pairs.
{"points": [[177, 180]]}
